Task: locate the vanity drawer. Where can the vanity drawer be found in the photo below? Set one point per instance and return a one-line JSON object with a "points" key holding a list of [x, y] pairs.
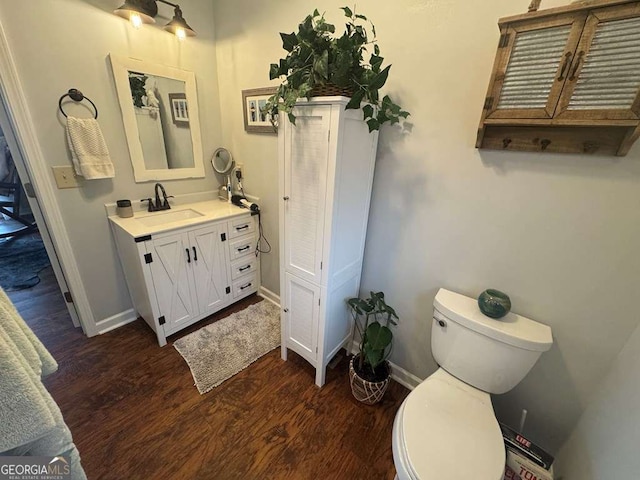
{"points": [[243, 266], [241, 226], [245, 285], [242, 246]]}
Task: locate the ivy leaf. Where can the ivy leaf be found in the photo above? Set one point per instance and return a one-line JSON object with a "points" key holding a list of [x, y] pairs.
{"points": [[373, 124], [316, 13], [292, 118], [289, 41], [404, 114], [380, 79], [376, 48], [321, 65], [376, 63], [368, 111], [274, 71], [347, 12], [355, 100], [361, 17]]}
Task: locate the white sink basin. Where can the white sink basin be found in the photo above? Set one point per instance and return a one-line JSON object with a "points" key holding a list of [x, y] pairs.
{"points": [[171, 216]]}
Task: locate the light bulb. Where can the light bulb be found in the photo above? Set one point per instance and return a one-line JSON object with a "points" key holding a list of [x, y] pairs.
{"points": [[135, 20], [180, 33]]}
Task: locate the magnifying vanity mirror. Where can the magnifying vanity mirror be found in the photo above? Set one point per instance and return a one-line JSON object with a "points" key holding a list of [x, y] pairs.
{"points": [[223, 163], [159, 107]]}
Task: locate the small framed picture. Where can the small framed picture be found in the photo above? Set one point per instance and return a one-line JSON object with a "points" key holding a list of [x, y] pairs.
{"points": [[253, 101], [179, 108]]}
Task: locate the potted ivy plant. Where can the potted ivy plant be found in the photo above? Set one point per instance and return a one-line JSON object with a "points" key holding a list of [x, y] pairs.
{"points": [[369, 370], [320, 63]]}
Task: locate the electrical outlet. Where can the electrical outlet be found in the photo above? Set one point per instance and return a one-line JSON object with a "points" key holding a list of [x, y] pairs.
{"points": [[240, 168], [65, 177]]}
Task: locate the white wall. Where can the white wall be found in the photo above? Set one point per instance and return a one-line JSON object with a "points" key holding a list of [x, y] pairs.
{"points": [[558, 233], [605, 442], [60, 44]]}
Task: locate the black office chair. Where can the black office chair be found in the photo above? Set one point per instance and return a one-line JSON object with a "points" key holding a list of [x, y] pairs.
{"points": [[10, 198]]}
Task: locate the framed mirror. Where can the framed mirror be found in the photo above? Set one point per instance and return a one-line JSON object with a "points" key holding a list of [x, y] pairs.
{"points": [[159, 107]]}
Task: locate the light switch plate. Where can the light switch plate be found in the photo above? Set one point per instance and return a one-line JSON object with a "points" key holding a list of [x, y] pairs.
{"points": [[65, 177]]}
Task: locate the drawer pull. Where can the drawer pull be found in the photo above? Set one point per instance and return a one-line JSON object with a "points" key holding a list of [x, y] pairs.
{"points": [[246, 286], [544, 144], [242, 269], [243, 249], [244, 227], [506, 142]]}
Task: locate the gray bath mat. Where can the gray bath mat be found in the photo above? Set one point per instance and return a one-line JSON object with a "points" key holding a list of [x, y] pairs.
{"points": [[220, 350]]}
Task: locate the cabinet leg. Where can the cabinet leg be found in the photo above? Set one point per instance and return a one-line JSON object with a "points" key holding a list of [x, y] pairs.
{"points": [[320, 375]]}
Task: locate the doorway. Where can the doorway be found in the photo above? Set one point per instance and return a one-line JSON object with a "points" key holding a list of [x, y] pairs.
{"points": [[31, 273]]}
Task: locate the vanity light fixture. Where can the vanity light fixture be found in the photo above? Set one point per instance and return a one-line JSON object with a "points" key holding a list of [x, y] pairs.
{"points": [[144, 11]]}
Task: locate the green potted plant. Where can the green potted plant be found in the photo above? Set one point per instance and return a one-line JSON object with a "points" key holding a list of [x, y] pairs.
{"points": [[369, 370], [320, 63]]}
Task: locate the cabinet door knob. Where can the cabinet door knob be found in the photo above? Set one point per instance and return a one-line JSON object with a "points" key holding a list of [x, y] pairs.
{"points": [[286, 310], [285, 198]]}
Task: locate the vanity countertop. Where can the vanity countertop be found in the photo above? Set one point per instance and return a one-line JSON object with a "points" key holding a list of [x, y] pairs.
{"points": [[208, 211]]}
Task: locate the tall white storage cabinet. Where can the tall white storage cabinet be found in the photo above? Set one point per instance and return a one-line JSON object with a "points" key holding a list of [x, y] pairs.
{"points": [[326, 163]]}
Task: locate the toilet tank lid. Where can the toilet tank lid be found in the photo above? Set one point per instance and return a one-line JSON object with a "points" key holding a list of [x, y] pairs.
{"points": [[512, 329]]}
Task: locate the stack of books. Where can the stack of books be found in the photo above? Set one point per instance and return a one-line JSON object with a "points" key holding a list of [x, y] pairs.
{"points": [[525, 459]]}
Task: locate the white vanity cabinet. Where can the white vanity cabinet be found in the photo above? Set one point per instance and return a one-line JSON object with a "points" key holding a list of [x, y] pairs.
{"points": [[326, 165], [180, 276]]}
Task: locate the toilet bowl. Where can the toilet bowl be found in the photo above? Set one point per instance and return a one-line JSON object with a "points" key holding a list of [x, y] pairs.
{"points": [[446, 428]]}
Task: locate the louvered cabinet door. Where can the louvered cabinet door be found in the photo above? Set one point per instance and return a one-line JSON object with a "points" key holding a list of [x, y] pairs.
{"points": [[531, 67], [604, 79], [306, 153]]}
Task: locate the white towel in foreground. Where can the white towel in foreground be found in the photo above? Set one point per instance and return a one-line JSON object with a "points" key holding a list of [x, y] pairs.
{"points": [[88, 149]]}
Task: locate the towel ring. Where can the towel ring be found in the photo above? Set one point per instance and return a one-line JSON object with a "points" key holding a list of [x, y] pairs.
{"points": [[77, 96]]}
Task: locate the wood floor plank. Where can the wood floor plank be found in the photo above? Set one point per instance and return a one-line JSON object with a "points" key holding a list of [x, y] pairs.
{"points": [[135, 413]]}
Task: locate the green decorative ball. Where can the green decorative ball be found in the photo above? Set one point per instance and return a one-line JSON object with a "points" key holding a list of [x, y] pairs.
{"points": [[494, 303]]}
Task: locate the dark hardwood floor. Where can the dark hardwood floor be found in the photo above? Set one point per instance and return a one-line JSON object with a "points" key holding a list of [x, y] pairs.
{"points": [[135, 413]]}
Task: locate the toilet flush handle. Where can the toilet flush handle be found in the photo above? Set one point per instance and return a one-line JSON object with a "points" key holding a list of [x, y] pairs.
{"points": [[442, 323]]}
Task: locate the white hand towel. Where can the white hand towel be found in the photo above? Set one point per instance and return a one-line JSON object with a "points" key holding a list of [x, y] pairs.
{"points": [[88, 149]]}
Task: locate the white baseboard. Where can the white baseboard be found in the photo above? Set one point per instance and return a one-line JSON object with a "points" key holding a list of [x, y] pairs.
{"points": [[269, 295], [404, 377], [117, 320]]}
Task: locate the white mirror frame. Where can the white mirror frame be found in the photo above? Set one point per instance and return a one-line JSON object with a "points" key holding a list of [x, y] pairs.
{"points": [[121, 67]]}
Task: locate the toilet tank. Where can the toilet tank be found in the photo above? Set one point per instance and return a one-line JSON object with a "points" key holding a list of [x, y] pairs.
{"points": [[493, 355]]}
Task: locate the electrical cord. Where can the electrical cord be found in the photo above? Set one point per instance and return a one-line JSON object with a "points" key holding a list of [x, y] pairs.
{"points": [[261, 237]]}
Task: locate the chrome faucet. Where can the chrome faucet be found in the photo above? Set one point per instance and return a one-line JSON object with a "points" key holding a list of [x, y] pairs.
{"points": [[160, 204]]}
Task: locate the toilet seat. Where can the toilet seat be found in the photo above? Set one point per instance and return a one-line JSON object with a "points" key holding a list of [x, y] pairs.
{"points": [[447, 430]]}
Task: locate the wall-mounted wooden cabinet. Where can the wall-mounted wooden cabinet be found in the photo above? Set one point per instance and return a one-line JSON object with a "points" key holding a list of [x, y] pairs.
{"points": [[566, 80]]}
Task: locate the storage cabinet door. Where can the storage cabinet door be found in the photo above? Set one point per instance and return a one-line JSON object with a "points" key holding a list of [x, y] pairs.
{"points": [[301, 312], [604, 81], [172, 278], [210, 267], [306, 151], [532, 66]]}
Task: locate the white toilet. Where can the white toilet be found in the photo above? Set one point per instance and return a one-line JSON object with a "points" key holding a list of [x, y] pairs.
{"points": [[446, 428]]}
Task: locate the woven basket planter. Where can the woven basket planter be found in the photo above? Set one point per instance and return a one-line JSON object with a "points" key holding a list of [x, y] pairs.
{"points": [[331, 90], [365, 391]]}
